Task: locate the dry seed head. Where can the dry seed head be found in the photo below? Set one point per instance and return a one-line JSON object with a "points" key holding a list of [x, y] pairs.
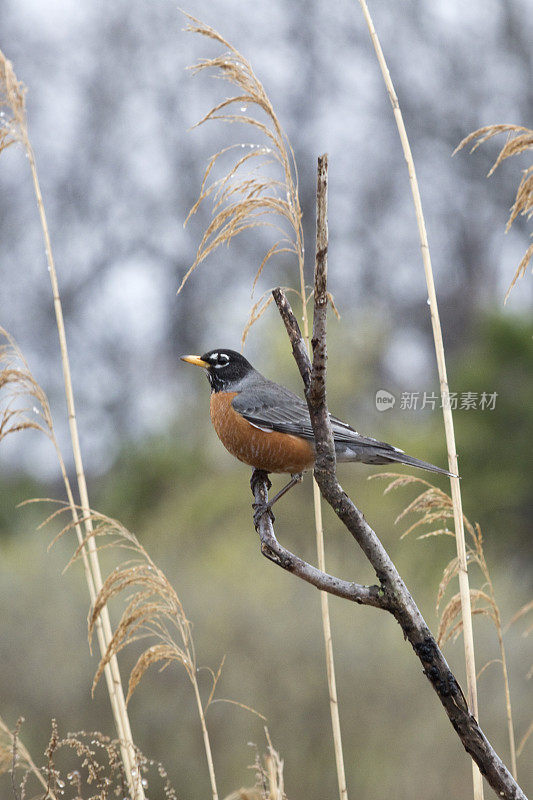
{"points": [[98, 772], [247, 196], [451, 624], [451, 614], [24, 403], [12, 105], [269, 781], [451, 570], [257, 311], [519, 140], [434, 506], [153, 610], [397, 480], [154, 655]]}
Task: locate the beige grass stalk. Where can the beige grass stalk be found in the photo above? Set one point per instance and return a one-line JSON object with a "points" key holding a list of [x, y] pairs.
{"points": [[207, 744], [14, 95], [519, 140], [113, 679], [153, 611], [326, 620], [242, 203], [324, 598], [321, 248], [468, 635]]}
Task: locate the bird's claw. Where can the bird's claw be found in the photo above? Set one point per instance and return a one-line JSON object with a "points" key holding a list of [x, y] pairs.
{"points": [[259, 476], [260, 509]]}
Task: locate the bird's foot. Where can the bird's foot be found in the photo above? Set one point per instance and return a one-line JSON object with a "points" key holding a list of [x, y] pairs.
{"points": [[260, 509], [259, 476]]}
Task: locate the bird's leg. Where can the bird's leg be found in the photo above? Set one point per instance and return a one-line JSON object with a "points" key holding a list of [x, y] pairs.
{"points": [[264, 508], [296, 478], [259, 475]]}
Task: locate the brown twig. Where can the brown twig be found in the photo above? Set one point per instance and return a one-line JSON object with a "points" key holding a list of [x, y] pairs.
{"points": [[275, 552], [316, 393], [393, 593], [293, 329], [315, 388]]}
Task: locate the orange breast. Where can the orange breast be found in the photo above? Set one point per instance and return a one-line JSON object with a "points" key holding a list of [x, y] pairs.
{"points": [[271, 451]]}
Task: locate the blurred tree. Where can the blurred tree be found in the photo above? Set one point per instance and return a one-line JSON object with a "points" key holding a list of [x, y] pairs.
{"points": [[495, 445], [110, 105]]}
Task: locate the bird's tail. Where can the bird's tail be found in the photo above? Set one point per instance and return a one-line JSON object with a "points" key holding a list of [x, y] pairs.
{"points": [[370, 451], [403, 458]]}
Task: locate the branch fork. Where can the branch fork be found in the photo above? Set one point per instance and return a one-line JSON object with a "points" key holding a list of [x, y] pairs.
{"points": [[275, 552], [391, 594]]}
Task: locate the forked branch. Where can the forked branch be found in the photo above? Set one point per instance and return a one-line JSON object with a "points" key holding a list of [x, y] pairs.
{"points": [[391, 594], [275, 552]]}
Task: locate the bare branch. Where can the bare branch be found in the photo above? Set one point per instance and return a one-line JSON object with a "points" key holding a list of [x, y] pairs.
{"points": [[316, 394], [293, 330], [274, 551], [393, 594]]}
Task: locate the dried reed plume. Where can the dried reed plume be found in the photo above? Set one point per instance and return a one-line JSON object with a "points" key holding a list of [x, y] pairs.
{"points": [[246, 197], [243, 200], [153, 612], [19, 388], [25, 406], [269, 783], [435, 510], [12, 105], [13, 128], [519, 140], [98, 770]]}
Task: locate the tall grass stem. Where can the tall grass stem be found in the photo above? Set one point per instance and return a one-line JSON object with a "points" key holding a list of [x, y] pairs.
{"points": [[207, 744], [113, 680], [464, 588]]}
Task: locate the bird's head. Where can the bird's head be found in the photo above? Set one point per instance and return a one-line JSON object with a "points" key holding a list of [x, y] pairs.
{"points": [[225, 368]]}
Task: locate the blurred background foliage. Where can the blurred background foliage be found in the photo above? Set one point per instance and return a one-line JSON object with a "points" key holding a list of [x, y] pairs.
{"points": [[109, 107]]}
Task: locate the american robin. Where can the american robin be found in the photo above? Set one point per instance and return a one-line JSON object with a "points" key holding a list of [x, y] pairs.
{"points": [[268, 427]]}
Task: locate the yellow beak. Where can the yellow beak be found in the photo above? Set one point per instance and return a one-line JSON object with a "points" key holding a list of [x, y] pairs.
{"points": [[196, 360]]}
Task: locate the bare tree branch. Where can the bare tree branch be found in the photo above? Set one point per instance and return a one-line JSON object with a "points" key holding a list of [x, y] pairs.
{"points": [[293, 329], [274, 551], [396, 598], [317, 389], [392, 594]]}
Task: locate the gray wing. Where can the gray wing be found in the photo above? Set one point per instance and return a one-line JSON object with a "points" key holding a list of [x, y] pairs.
{"points": [[273, 407]]}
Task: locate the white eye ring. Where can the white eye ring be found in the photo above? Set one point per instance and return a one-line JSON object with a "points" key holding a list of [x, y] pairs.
{"points": [[221, 358]]}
